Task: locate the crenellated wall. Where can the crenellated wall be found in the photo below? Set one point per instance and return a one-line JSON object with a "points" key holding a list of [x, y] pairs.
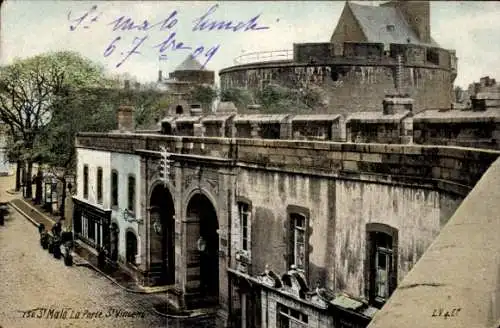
{"points": [[359, 78]]}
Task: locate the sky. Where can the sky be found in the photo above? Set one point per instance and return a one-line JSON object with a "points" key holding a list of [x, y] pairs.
{"points": [[33, 27]]}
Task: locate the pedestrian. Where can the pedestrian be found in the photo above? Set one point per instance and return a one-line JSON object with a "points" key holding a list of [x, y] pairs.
{"points": [[57, 228], [101, 257]]}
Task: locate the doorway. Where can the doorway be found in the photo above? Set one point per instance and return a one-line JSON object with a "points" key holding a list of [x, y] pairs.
{"points": [[115, 233], [162, 232], [203, 241], [131, 247]]}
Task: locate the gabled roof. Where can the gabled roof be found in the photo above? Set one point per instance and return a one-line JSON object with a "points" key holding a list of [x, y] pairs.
{"points": [[374, 22], [189, 64]]}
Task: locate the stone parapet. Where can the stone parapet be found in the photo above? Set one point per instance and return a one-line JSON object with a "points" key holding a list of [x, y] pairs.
{"points": [[454, 169]]}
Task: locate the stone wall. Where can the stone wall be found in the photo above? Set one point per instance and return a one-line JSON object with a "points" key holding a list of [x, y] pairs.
{"points": [[339, 211], [342, 187], [355, 76], [455, 283], [439, 167], [478, 134], [414, 212], [349, 86]]}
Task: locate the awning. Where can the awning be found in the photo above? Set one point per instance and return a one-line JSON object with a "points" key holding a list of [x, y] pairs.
{"points": [[91, 209]]}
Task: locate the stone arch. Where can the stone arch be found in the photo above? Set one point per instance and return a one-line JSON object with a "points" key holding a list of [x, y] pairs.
{"points": [[169, 186], [162, 234], [203, 242], [197, 190]]}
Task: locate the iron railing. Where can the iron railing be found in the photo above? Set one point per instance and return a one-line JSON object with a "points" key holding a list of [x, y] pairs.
{"points": [[264, 56]]}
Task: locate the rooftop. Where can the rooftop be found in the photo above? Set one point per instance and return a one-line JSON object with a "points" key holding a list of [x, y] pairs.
{"points": [[189, 64], [385, 25], [452, 116], [377, 117]]}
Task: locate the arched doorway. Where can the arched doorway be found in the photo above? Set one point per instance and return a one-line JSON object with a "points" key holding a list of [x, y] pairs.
{"points": [[114, 240], [203, 244], [179, 109], [162, 232], [131, 252]]}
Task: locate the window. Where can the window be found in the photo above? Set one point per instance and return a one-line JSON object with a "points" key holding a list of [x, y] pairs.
{"points": [[131, 193], [433, 56], [288, 317], [91, 231], [299, 237], [85, 181], [114, 188], [382, 266], [244, 214], [99, 185]]}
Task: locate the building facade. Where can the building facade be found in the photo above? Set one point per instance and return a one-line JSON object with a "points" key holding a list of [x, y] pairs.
{"points": [[179, 84], [271, 232], [106, 205]]}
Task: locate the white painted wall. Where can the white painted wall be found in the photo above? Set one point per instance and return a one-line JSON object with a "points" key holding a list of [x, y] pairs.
{"points": [[94, 159], [125, 164]]}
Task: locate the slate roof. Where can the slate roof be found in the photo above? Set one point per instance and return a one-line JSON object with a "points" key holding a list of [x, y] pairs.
{"points": [[374, 21], [260, 118], [189, 64], [315, 117], [458, 116], [187, 119], [226, 106], [377, 117], [216, 118]]}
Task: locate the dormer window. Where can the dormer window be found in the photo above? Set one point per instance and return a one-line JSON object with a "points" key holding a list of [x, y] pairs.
{"points": [[390, 28]]}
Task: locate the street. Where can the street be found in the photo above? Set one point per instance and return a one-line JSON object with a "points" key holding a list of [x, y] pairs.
{"points": [[36, 290], [30, 278]]}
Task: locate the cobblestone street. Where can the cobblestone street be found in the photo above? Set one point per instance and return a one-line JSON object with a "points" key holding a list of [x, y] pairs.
{"points": [[31, 278]]}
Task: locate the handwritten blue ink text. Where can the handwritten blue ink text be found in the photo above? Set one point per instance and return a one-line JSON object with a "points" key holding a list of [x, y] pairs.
{"points": [[79, 20], [124, 23], [203, 23]]}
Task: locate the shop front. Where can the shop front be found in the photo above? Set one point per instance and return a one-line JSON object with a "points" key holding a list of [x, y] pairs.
{"points": [[91, 225]]}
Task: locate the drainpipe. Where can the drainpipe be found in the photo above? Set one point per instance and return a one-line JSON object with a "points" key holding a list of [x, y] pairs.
{"points": [[229, 242], [399, 73]]}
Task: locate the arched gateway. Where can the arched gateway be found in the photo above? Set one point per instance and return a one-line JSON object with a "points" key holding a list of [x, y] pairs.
{"points": [[162, 232], [203, 247]]}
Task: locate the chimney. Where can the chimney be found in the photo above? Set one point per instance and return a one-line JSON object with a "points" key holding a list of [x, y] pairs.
{"points": [[160, 77], [126, 84], [417, 14], [393, 104], [195, 110], [125, 118]]}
